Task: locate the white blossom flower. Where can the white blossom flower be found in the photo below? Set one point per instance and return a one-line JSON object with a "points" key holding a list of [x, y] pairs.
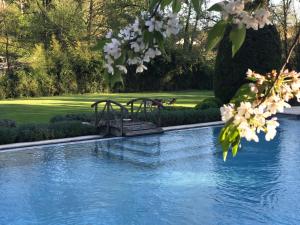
{"points": [[122, 68], [141, 68], [109, 34], [227, 112], [133, 61], [245, 109], [154, 24], [113, 48], [172, 27], [262, 17], [109, 67], [271, 128], [234, 7]]}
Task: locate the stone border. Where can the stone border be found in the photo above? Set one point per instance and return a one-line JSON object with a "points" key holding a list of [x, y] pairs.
{"points": [[195, 125], [48, 142], [96, 137]]}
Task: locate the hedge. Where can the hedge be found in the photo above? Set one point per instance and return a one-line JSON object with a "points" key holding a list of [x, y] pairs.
{"points": [[169, 116], [71, 125], [38, 132], [188, 116]]}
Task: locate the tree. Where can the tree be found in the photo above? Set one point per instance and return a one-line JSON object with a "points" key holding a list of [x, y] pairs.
{"points": [[261, 51]]}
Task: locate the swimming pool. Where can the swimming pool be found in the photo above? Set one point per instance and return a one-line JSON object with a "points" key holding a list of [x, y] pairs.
{"points": [[174, 178]]}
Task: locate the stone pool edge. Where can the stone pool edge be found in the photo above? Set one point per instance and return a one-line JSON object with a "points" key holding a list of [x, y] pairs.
{"points": [[96, 137]]}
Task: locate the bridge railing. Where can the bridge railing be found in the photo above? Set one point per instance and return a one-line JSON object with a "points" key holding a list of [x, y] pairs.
{"points": [[109, 114], [145, 106]]}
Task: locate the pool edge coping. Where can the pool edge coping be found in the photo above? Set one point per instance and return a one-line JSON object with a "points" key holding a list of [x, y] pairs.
{"points": [[97, 137]]}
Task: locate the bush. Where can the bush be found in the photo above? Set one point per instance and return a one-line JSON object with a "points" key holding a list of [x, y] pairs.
{"points": [[7, 135], [209, 103], [181, 117], [33, 132], [38, 132], [83, 117], [261, 52], [71, 129], [175, 108], [7, 123]]}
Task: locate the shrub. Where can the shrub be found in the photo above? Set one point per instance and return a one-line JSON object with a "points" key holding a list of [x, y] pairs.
{"points": [[7, 123], [181, 117], [37, 132], [261, 51], [209, 103], [7, 135], [33, 132], [83, 117], [172, 108], [71, 129]]}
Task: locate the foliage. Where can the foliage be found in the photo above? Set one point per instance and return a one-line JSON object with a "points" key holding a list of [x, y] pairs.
{"points": [[178, 70], [83, 117], [169, 116], [261, 51], [7, 123], [7, 135], [37, 132], [185, 116], [252, 109], [209, 103]]}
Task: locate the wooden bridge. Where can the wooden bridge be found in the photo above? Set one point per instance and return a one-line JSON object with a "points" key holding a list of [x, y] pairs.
{"points": [[113, 118]]}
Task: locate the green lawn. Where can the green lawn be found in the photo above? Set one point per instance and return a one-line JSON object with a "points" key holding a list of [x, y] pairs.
{"points": [[28, 110]]}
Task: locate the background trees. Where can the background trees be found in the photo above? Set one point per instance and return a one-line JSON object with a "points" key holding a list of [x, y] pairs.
{"points": [[53, 47]]}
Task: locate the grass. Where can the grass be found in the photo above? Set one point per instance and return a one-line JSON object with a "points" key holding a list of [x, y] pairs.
{"points": [[27, 110]]}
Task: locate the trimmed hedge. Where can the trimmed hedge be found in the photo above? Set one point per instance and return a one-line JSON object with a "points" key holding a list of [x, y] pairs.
{"points": [[83, 117], [7, 123], [209, 103], [63, 126], [170, 116], [184, 116], [38, 132]]}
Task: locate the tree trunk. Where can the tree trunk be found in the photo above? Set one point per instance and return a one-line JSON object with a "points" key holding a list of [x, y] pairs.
{"points": [[90, 21], [186, 30]]}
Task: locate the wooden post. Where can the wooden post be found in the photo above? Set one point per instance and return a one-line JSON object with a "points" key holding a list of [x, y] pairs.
{"points": [[107, 116], [122, 111], [159, 118], [145, 109], [96, 119], [131, 110]]}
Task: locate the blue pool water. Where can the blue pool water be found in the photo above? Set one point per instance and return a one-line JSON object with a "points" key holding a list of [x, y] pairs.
{"points": [[175, 178]]}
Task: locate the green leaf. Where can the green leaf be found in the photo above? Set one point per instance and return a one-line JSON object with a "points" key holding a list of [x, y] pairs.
{"points": [[235, 146], [158, 36], [176, 6], [148, 37], [216, 7], [216, 34], [196, 5], [164, 3], [153, 4], [225, 155], [237, 37], [244, 93], [161, 46]]}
